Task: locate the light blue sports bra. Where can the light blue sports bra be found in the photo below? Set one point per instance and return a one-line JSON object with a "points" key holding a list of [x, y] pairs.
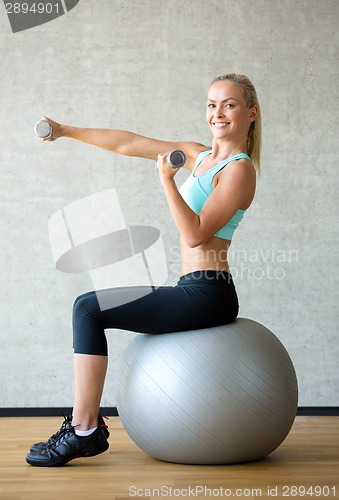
{"points": [[196, 190]]}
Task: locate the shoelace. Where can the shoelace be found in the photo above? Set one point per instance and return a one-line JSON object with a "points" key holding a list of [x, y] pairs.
{"points": [[66, 425], [103, 425]]}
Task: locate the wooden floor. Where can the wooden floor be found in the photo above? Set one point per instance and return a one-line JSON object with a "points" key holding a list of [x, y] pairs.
{"points": [[307, 462]]}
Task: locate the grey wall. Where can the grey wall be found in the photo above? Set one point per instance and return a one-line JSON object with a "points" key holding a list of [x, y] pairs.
{"points": [[145, 66]]}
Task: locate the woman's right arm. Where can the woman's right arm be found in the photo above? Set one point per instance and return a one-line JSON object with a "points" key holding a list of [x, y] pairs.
{"points": [[125, 142]]}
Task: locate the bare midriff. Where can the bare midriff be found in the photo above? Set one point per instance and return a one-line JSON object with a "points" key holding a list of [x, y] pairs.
{"points": [[211, 255]]}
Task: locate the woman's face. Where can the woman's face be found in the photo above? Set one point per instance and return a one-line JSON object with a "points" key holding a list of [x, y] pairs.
{"points": [[227, 113]]}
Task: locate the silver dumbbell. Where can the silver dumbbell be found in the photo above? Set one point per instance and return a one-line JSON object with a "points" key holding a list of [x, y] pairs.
{"points": [[43, 129], [176, 159]]}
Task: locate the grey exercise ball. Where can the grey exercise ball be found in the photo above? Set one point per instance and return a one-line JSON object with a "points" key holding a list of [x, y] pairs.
{"points": [[220, 395]]}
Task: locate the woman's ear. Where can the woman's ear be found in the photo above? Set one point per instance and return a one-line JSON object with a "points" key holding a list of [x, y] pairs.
{"points": [[253, 113]]}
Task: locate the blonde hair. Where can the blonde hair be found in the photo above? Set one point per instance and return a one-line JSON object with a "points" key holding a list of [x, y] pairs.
{"points": [[250, 95]]}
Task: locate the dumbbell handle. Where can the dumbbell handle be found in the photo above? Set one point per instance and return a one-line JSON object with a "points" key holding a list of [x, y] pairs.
{"points": [[176, 158]]}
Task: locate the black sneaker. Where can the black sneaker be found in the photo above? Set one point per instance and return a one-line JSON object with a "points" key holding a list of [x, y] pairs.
{"points": [[68, 446], [65, 425]]}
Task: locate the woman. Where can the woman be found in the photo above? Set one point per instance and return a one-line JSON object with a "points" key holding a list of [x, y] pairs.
{"points": [[206, 210]]}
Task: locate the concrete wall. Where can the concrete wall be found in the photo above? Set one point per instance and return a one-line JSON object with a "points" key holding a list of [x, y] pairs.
{"points": [[145, 66]]}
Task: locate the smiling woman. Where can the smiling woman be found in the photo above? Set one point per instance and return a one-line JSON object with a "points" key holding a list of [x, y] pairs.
{"points": [[249, 95], [207, 210]]}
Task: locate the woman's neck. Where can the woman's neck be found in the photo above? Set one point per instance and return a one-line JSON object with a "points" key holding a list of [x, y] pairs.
{"points": [[223, 149]]}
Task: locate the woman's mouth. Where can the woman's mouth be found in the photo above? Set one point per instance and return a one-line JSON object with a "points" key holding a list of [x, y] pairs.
{"points": [[220, 124]]}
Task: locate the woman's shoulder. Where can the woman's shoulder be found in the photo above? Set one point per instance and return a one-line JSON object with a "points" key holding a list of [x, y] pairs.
{"points": [[200, 148], [192, 151]]}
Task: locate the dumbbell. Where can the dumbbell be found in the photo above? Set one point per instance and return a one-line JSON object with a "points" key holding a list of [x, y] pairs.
{"points": [[43, 129], [176, 158]]}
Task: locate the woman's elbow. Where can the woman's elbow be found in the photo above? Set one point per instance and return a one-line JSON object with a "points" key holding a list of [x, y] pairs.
{"points": [[197, 235], [194, 241]]}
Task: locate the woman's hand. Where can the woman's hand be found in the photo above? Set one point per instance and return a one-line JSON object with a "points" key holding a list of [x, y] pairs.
{"points": [[166, 172]]}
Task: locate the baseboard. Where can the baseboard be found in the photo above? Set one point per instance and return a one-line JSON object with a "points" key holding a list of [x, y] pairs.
{"points": [[328, 411], [318, 411], [49, 412]]}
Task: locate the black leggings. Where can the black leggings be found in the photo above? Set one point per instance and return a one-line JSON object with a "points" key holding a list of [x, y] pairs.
{"points": [[199, 300]]}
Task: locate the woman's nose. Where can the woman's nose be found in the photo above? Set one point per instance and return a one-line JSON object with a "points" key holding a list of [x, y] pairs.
{"points": [[218, 111]]}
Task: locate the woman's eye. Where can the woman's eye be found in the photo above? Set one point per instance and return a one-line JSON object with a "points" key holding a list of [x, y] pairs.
{"points": [[210, 105], [229, 105]]}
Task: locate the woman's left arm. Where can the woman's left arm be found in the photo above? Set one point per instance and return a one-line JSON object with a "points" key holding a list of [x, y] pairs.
{"points": [[235, 189]]}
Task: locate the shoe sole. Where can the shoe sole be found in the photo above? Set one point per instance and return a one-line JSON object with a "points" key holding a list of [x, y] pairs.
{"points": [[59, 463]]}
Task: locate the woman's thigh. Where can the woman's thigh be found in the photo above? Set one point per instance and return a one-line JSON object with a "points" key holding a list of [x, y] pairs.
{"points": [[138, 309], [165, 309]]}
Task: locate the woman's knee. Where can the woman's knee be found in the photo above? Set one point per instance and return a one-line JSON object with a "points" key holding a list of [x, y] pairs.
{"points": [[86, 305], [88, 332], [83, 298]]}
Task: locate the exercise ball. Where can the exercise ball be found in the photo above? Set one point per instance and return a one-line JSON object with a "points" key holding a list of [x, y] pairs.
{"points": [[220, 395]]}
